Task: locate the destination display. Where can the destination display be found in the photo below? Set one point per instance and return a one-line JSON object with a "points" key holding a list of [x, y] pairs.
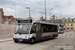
{"points": [[24, 21]]}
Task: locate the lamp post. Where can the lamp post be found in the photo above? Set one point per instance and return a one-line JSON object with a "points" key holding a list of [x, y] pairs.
{"points": [[45, 10], [15, 9], [29, 11], [41, 13], [50, 13], [60, 17]]}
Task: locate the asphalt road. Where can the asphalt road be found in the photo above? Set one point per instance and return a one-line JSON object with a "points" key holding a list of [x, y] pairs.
{"points": [[64, 41]]}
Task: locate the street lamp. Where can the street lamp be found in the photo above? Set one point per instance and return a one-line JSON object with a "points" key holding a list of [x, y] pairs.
{"points": [[15, 9], [60, 17], [41, 13], [50, 13], [29, 11], [45, 9]]}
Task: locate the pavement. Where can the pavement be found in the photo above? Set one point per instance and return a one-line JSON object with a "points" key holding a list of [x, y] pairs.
{"points": [[5, 40]]}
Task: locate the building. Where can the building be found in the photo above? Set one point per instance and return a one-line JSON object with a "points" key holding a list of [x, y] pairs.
{"points": [[42, 18], [53, 17], [69, 24], [1, 15], [9, 19], [18, 19]]}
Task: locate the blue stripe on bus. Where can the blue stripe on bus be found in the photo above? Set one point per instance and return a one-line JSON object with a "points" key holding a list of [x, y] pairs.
{"points": [[17, 39]]}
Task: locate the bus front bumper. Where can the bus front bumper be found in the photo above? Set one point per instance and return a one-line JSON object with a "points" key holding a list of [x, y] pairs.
{"points": [[21, 39], [60, 32]]}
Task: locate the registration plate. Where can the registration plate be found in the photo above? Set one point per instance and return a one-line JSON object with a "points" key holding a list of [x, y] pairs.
{"points": [[20, 39]]}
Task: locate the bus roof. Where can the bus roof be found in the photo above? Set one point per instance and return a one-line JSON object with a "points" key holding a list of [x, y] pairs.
{"points": [[43, 22]]}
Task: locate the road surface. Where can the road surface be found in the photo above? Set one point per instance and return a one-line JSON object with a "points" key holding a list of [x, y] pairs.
{"points": [[64, 41]]}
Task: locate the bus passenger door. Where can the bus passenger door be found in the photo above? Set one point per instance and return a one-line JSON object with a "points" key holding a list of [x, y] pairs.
{"points": [[38, 32]]}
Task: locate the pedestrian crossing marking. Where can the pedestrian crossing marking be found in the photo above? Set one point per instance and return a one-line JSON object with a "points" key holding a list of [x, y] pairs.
{"points": [[67, 35], [48, 45]]}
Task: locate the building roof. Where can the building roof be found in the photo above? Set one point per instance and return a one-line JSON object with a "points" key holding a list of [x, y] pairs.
{"points": [[6, 16], [1, 9], [19, 18]]}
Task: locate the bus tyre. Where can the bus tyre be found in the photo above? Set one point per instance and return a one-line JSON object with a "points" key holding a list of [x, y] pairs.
{"points": [[32, 41], [15, 41], [53, 37]]}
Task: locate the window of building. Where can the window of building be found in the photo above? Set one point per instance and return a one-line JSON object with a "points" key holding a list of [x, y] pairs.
{"points": [[71, 28], [70, 20], [67, 28], [74, 20], [67, 24], [63, 20], [67, 20], [71, 24]]}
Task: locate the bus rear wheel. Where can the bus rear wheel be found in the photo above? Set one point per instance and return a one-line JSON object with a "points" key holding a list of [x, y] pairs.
{"points": [[53, 37]]}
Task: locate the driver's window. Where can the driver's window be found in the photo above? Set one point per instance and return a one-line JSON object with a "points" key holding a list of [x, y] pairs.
{"points": [[33, 30]]}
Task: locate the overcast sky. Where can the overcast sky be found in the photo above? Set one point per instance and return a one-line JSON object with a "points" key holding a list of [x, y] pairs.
{"points": [[67, 7]]}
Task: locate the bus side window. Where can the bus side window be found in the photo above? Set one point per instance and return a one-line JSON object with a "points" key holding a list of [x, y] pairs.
{"points": [[42, 30]]}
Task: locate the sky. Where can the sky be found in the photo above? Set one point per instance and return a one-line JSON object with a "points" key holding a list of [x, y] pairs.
{"points": [[67, 7]]}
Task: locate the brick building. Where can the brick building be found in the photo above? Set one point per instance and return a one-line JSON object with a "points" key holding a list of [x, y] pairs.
{"points": [[10, 19]]}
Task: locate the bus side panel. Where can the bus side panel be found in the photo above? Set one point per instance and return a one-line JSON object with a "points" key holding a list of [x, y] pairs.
{"points": [[49, 31], [46, 35]]}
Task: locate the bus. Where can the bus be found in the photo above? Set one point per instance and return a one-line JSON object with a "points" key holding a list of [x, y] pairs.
{"points": [[60, 29], [32, 31]]}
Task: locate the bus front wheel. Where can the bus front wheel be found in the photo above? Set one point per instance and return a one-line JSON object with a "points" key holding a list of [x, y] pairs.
{"points": [[32, 41]]}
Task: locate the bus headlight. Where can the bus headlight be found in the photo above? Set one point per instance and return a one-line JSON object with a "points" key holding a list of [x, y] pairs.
{"points": [[15, 37], [27, 37]]}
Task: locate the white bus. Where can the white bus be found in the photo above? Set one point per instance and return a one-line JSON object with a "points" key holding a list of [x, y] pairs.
{"points": [[32, 31]]}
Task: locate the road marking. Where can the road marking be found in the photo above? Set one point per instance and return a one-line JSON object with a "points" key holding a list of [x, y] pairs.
{"points": [[68, 40], [42, 48], [48, 45], [52, 42]]}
